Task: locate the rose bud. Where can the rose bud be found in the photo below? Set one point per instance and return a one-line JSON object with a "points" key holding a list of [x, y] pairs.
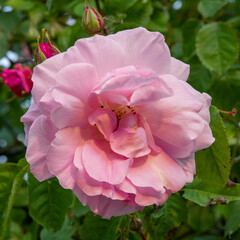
{"points": [[45, 49], [18, 79], [92, 22]]}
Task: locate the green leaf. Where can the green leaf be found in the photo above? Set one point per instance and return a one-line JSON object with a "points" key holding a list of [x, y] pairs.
{"points": [[206, 194], [233, 219], [200, 77], [124, 26], [233, 77], [78, 10], [70, 35], [21, 4], [199, 218], [208, 237], [217, 46], [49, 4], [97, 228], [78, 209], [169, 216], [48, 202], [208, 8], [159, 19], [117, 6], [140, 13], [236, 235], [189, 31], [65, 233], [235, 21], [3, 44], [225, 95], [213, 164], [9, 21], [11, 177]]}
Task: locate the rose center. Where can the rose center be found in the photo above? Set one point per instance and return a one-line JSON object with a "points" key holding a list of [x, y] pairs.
{"points": [[120, 110]]}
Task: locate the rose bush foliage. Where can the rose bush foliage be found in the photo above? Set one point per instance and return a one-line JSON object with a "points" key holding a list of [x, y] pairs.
{"points": [[115, 121]]}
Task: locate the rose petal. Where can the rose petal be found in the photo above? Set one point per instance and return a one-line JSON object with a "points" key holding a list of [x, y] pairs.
{"points": [[28, 118], [105, 120], [173, 150], [146, 94], [126, 82], [157, 171], [177, 122], [188, 165], [41, 134], [74, 85], [179, 69], [104, 206], [71, 114], [93, 50], [205, 139], [108, 166], [130, 140], [148, 196], [91, 186], [144, 48], [77, 80], [61, 154], [44, 76]]}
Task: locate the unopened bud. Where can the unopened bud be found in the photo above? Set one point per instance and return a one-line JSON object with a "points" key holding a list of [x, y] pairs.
{"points": [[45, 47], [92, 22]]}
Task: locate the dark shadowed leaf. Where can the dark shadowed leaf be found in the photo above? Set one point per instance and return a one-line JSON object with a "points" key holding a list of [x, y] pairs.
{"points": [[170, 215], [189, 31], [65, 233], [233, 219], [97, 228]]}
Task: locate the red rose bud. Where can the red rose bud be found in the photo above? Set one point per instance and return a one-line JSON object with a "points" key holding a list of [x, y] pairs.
{"points": [[18, 79], [92, 22], [45, 49]]}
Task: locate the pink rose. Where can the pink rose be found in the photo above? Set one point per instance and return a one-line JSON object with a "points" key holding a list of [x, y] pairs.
{"points": [[18, 79], [115, 121]]}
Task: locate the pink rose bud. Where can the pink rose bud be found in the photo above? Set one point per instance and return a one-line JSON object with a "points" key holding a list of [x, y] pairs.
{"points": [[92, 22], [18, 79], [45, 49]]}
